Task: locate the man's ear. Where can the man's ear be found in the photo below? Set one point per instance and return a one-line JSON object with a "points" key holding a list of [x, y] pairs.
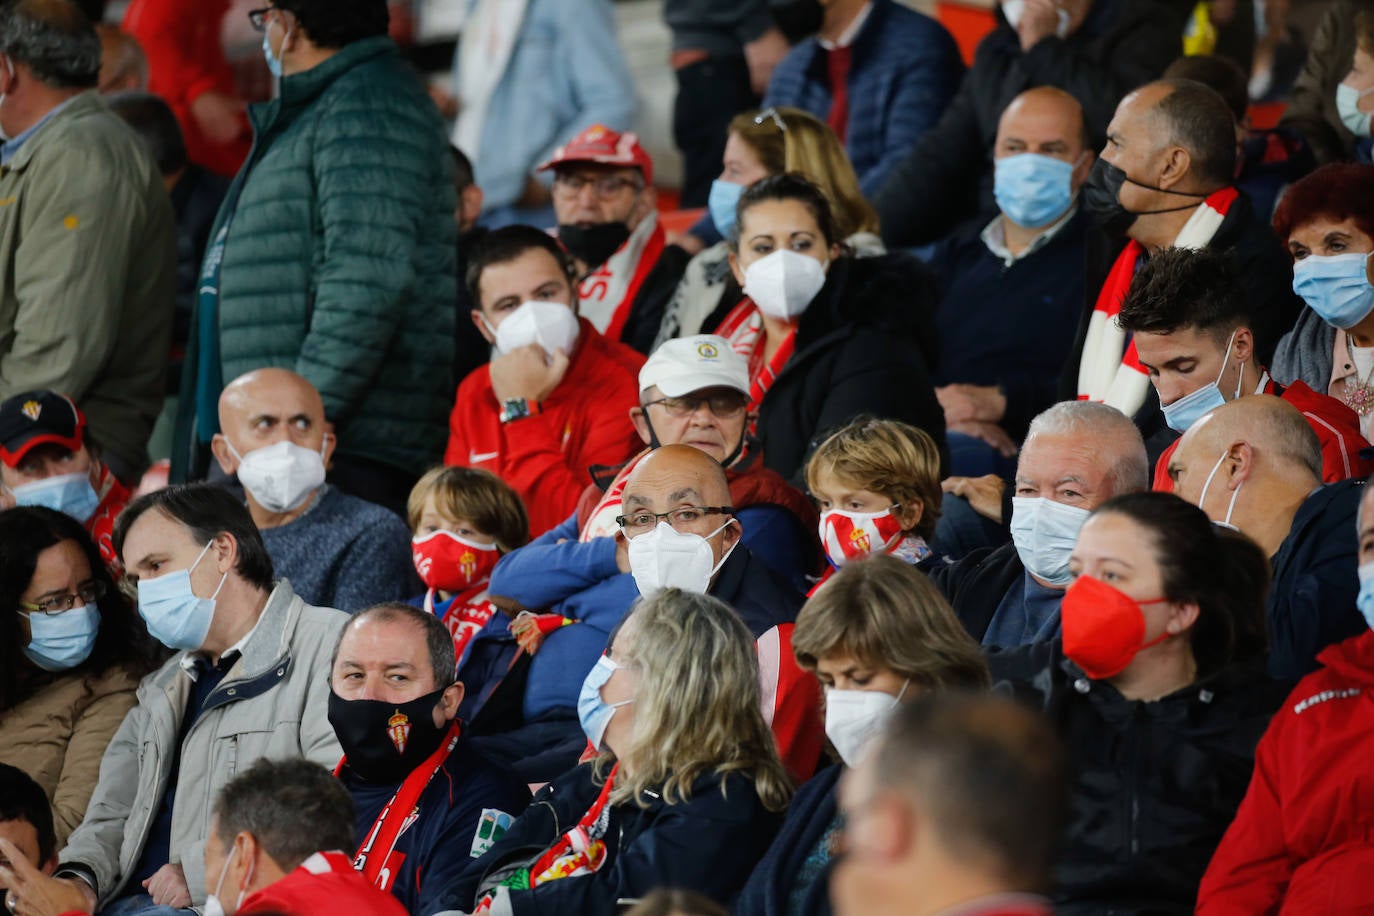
{"points": [[49, 866], [1243, 347], [731, 535], [1242, 456], [226, 551], [480, 321], [640, 423], [451, 700], [1178, 163], [331, 442], [219, 447]]}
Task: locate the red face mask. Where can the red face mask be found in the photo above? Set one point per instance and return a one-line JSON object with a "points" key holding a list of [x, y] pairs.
{"points": [[848, 536], [450, 563], [1104, 628]]}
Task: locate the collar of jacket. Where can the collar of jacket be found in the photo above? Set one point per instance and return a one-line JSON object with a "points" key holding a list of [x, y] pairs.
{"points": [[863, 48], [84, 104], [1204, 691], [265, 659], [299, 90]]}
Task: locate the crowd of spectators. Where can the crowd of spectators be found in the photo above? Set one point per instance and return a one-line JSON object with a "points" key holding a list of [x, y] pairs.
{"points": [[948, 498]]}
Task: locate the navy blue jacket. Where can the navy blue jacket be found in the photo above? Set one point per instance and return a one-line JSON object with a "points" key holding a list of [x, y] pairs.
{"points": [[444, 840], [903, 71], [947, 177], [708, 843], [582, 582], [809, 818], [1312, 601], [1010, 326]]}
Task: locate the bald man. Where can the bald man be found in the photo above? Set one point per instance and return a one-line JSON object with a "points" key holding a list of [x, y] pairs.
{"points": [[1255, 464], [335, 549], [1165, 179], [123, 65], [1013, 288], [677, 528]]}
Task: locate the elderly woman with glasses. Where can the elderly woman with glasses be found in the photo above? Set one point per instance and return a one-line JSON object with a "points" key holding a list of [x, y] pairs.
{"points": [[686, 789], [72, 652]]}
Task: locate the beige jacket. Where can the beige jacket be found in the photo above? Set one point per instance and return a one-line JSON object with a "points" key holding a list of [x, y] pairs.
{"points": [[59, 734], [88, 274], [272, 703]]}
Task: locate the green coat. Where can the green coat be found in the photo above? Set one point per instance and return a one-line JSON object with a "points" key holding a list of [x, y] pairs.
{"points": [[339, 258], [88, 273]]}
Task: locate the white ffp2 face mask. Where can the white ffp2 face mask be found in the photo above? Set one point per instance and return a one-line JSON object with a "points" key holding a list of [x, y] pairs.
{"points": [[853, 718], [668, 558], [1044, 532], [784, 283], [552, 325], [281, 476]]}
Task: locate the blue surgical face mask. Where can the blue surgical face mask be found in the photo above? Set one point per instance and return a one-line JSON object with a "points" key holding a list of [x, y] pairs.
{"points": [[1348, 107], [176, 616], [70, 494], [1190, 408], [1336, 287], [1365, 599], [723, 199], [1033, 190], [59, 642], [1044, 532], [273, 61], [594, 713]]}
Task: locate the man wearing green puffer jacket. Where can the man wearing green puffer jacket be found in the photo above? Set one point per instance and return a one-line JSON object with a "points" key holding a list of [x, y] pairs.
{"points": [[333, 254]]}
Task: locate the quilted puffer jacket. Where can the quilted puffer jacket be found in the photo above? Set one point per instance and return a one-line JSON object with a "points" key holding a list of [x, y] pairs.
{"points": [[339, 257]]}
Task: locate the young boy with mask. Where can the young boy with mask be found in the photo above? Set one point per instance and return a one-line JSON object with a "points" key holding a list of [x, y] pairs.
{"points": [[463, 521], [877, 485]]}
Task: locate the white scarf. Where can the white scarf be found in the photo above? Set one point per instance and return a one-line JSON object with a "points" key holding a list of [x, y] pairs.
{"points": [[603, 290]]}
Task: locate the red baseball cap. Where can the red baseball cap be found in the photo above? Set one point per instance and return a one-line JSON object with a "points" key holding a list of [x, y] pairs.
{"points": [[603, 146], [38, 418]]}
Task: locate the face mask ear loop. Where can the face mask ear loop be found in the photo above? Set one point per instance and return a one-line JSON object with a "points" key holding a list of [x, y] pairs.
{"points": [[1232, 506]]}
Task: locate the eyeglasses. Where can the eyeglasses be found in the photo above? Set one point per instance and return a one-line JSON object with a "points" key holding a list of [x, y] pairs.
{"points": [[641, 522], [89, 593], [724, 406], [771, 114], [568, 185], [258, 18]]}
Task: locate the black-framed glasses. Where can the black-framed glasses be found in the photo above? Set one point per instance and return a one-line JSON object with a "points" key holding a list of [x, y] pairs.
{"points": [[637, 523], [89, 593], [258, 18], [771, 114], [570, 184], [726, 406]]}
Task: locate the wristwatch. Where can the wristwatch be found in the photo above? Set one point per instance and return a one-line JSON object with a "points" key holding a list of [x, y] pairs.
{"points": [[513, 409]]}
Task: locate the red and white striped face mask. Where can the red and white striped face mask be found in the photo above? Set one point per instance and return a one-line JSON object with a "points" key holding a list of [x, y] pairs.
{"points": [[849, 536]]}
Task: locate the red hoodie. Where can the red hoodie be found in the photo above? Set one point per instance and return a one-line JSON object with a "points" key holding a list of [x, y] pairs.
{"points": [[545, 458], [1336, 426], [185, 52], [324, 883], [1303, 839]]}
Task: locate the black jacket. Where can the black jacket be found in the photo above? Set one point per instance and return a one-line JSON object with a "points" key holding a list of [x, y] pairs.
{"points": [[646, 314], [1265, 270], [196, 198], [809, 820], [1155, 785], [947, 178], [708, 844], [865, 345], [1312, 601], [976, 585]]}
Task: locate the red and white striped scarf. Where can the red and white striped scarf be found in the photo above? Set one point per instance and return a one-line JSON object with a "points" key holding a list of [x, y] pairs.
{"points": [[1109, 370]]}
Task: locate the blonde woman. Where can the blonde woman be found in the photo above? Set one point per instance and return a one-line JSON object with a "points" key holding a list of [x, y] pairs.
{"points": [[876, 634], [687, 790], [760, 144]]}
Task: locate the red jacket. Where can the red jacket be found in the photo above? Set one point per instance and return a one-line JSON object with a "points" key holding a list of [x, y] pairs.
{"points": [[1337, 426], [181, 39], [585, 422], [1303, 839], [324, 883]]}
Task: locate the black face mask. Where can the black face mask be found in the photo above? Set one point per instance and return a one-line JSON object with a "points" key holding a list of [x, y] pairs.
{"points": [[593, 244], [385, 741], [1102, 196]]}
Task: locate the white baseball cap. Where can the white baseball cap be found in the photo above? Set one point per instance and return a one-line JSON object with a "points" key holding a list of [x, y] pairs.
{"points": [[686, 364]]}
